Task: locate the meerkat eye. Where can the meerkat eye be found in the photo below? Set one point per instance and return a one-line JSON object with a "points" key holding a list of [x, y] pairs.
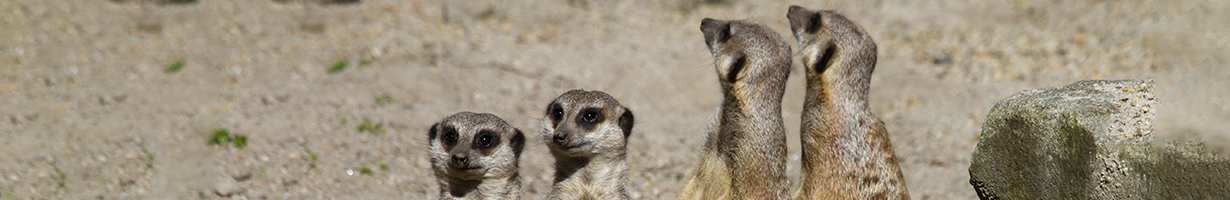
{"points": [[450, 136], [558, 113], [555, 113], [591, 116], [484, 140]]}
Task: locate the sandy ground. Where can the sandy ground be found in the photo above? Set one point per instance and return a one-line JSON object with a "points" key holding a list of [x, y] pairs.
{"points": [[87, 111]]}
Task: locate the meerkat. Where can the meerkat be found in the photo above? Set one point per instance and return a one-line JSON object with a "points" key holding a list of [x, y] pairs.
{"points": [[587, 133], [744, 156], [846, 150], [475, 156]]}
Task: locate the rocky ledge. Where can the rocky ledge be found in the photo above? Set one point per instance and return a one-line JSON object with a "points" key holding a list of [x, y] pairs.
{"points": [[1089, 140]]}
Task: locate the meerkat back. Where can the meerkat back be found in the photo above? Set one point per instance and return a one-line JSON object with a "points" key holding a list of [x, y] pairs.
{"points": [[846, 150], [587, 133], [475, 156], [744, 156]]}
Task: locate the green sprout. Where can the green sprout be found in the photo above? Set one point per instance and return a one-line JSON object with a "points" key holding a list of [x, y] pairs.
{"points": [[338, 67], [370, 127], [223, 136], [365, 171], [385, 99], [241, 141], [384, 167], [174, 67]]}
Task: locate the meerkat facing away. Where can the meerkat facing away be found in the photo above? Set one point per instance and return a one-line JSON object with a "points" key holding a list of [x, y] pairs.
{"points": [[587, 133], [744, 156], [846, 150], [475, 156]]}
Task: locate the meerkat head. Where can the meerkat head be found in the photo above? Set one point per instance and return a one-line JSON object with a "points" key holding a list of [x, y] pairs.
{"points": [[746, 54], [474, 146], [828, 39], [583, 123]]}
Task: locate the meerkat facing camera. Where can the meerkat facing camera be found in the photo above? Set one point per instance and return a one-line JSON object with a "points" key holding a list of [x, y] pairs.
{"points": [[475, 156], [587, 133], [744, 156], [846, 150]]}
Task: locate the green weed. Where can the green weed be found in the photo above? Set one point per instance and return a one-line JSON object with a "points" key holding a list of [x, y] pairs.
{"points": [[365, 171], [338, 66], [384, 167], [370, 127], [223, 136], [385, 99], [174, 67], [241, 141]]}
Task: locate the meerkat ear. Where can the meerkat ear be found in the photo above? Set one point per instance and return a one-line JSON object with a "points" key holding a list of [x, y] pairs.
{"points": [[823, 63], [431, 133], [517, 142], [714, 30], [625, 123], [804, 20]]}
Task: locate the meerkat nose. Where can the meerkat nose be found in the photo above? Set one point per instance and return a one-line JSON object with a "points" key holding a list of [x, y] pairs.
{"points": [[560, 139], [459, 160]]}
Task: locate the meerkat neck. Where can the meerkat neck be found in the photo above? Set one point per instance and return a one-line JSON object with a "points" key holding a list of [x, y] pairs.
{"points": [[835, 117], [603, 169], [759, 108], [499, 188], [589, 177], [842, 90]]}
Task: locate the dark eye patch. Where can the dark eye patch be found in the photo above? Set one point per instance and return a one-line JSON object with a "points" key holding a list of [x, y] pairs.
{"points": [[449, 135], [589, 117], [715, 31], [555, 112], [735, 68], [813, 23], [486, 139]]}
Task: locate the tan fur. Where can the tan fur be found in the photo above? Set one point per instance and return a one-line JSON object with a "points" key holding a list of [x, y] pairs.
{"points": [[744, 156], [587, 133], [475, 156], [846, 150]]}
